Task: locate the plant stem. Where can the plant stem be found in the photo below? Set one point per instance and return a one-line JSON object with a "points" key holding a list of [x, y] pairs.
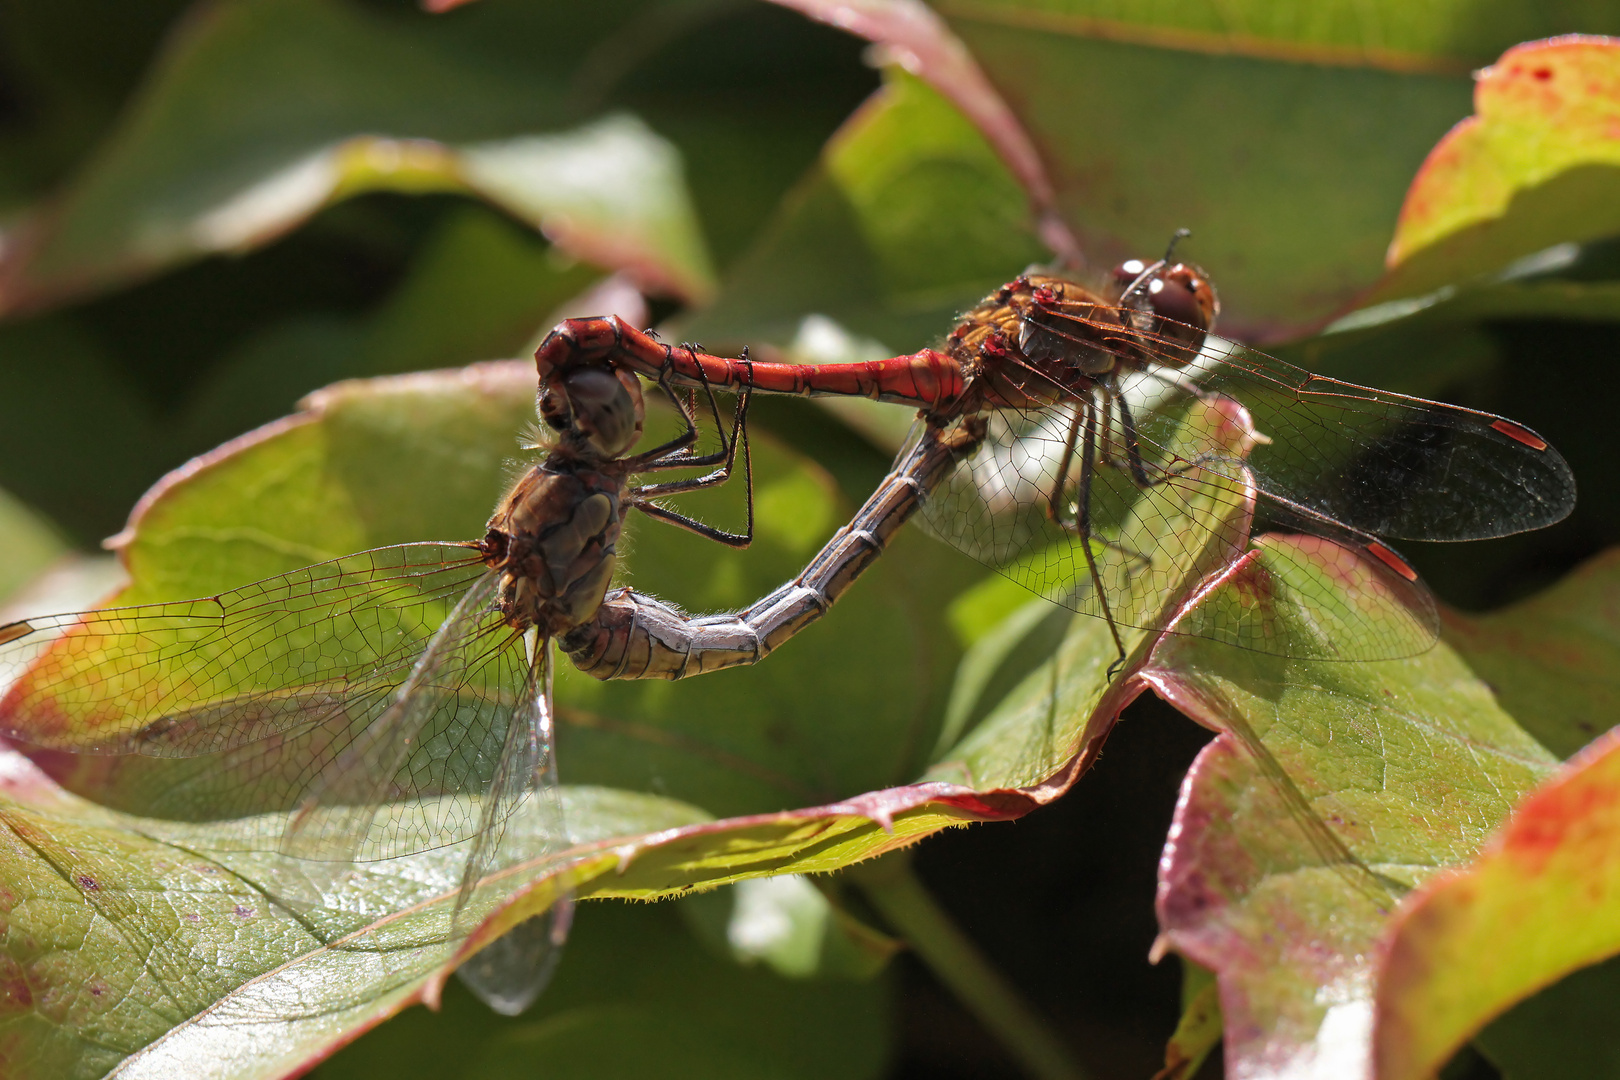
{"points": [[900, 897]]}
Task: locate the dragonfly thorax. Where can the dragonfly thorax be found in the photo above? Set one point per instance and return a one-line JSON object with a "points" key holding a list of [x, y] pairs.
{"points": [[552, 539]]}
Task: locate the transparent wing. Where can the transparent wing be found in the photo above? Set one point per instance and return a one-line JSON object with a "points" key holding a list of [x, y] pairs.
{"points": [[1376, 462], [422, 766], [351, 711], [1162, 520], [521, 820], [201, 676], [1391, 465]]}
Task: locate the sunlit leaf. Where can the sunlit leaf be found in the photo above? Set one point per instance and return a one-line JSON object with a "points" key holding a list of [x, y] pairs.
{"points": [[1553, 660], [1535, 166], [1538, 902], [1333, 789], [376, 462]]}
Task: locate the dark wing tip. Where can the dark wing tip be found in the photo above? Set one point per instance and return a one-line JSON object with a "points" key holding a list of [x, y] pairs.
{"points": [[12, 631]]}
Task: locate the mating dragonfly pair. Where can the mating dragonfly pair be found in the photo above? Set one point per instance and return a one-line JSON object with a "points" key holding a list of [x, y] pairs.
{"points": [[1098, 448]]}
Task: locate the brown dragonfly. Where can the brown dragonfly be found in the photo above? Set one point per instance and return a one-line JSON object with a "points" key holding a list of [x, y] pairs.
{"points": [[346, 711], [1127, 455]]}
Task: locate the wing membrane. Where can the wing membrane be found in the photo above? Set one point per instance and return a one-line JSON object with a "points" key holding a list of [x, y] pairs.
{"points": [[1156, 544], [510, 972], [201, 676], [1378, 462]]}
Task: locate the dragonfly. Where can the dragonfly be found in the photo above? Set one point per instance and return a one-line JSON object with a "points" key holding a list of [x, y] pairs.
{"points": [[344, 712], [1130, 459]]}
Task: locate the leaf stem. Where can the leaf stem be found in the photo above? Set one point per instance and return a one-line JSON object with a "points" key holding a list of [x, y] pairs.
{"points": [[900, 897]]}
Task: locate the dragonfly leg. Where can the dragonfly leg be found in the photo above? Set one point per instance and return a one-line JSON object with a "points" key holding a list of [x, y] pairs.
{"points": [[663, 513], [1082, 525], [726, 459], [641, 497], [1054, 500], [668, 456], [1138, 468]]}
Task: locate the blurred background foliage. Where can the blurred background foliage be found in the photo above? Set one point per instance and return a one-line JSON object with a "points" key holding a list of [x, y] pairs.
{"points": [[209, 210]]}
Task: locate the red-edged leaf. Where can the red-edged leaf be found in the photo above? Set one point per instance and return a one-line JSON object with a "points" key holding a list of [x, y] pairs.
{"points": [[1540, 901], [1333, 789], [1537, 164]]}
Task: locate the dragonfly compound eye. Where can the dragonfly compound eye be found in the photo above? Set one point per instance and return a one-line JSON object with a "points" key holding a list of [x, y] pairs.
{"points": [[606, 408], [1184, 306]]}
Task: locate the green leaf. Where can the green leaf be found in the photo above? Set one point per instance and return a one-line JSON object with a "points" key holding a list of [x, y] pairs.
{"points": [[1553, 660], [264, 111], [1563, 1031], [29, 545], [1534, 166], [901, 224], [1132, 123], [1332, 790], [126, 953], [635, 995], [1538, 903], [1199, 1030], [387, 460]]}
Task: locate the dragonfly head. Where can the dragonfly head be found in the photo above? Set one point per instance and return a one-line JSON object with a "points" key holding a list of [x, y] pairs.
{"points": [[599, 409], [1175, 302]]}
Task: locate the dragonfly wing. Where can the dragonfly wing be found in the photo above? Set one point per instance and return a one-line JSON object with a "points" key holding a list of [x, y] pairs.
{"points": [[1156, 545], [1378, 462], [199, 677], [510, 972], [1389, 464], [407, 778]]}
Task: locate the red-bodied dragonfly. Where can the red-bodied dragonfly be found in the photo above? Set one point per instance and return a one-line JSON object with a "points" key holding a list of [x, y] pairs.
{"points": [[1129, 456], [383, 704]]}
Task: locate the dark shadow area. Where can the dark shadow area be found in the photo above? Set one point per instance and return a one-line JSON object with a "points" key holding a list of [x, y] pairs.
{"points": [[1062, 903]]}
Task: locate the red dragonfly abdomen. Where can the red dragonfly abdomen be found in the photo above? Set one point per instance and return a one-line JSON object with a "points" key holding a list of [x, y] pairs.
{"points": [[925, 380]]}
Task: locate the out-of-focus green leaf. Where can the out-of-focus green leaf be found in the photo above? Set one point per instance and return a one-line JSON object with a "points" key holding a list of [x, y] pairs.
{"points": [[263, 111], [69, 65], [1333, 789], [636, 996], [1199, 1030], [1245, 138], [478, 289], [905, 219], [1563, 1032], [1252, 128], [790, 925], [1535, 166], [27, 545], [1539, 902], [73, 428]]}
